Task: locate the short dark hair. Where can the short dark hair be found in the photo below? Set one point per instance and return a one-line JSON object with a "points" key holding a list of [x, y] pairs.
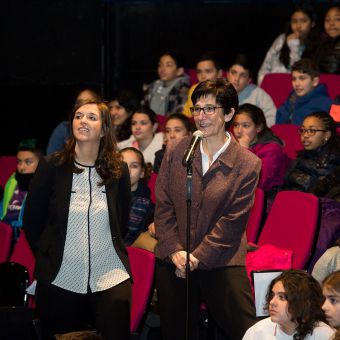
{"points": [[221, 89], [147, 111], [32, 145], [184, 119], [306, 66], [176, 55], [128, 100], [304, 297], [243, 60], [211, 56]]}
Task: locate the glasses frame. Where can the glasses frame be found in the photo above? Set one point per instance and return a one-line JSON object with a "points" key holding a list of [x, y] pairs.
{"points": [[310, 132], [204, 110]]}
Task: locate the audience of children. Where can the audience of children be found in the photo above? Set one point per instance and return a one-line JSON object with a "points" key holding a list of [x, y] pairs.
{"points": [[169, 93], [121, 108], [208, 67], [294, 301], [144, 137], [141, 213], [251, 130], [240, 75], [62, 132], [328, 56], [328, 263], [28, 155], [331, 306], [307, 96], [299, 40]]}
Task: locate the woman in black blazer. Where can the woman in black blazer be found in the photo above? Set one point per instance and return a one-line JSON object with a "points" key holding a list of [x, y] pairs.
{"points": [[75, 219]]}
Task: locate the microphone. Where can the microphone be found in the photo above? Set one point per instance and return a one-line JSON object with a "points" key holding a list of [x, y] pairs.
{"points": [[189, 152]]}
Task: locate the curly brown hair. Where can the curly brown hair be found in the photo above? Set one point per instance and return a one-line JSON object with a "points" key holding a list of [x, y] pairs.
{"points": [[304, 296], [108, 162]]}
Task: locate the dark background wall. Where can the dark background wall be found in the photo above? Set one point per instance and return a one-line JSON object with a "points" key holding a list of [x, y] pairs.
{"points": [[50, 48]]}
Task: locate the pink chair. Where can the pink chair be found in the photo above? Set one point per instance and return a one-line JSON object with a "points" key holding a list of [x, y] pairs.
{"points": [[292, 224], [255, 217], [278, 86], [332, 82], [289, 134], [6, 234], [8, 165], [142, 264]]}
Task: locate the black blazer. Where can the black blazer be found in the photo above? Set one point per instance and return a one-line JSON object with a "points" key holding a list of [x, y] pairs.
{"points": [[46, 215]]}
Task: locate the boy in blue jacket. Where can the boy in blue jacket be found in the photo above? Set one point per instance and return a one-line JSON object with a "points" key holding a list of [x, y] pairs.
{"points": [[308, 95]]}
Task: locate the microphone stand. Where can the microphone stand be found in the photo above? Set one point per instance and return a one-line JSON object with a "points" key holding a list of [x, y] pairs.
{"points": [[187, 264]]}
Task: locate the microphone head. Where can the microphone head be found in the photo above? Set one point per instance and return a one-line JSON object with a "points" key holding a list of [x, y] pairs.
{"points": [[199, 134]]}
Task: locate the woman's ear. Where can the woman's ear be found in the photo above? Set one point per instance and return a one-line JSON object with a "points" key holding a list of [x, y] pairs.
{"points": [[154, 127], [102, 133], [228, 116]]}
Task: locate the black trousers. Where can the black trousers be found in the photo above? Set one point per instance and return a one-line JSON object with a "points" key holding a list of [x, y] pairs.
{"points": [[61, 311], [225, 291]]}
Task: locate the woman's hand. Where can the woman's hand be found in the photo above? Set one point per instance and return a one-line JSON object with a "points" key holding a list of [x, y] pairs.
{"points": [[179, 259], [244, 140]]}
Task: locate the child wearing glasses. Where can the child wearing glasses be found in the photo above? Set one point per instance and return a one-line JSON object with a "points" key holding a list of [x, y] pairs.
{"points": [[307, 96], [317, 167]]}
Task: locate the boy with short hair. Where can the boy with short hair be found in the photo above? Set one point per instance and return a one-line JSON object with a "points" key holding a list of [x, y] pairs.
{"points": [[208, 67], [308, 95], [240, 75]]}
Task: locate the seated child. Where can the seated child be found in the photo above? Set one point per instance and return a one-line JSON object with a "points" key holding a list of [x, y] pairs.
{"points": [[294, 301], [251, 131], [331, 306], [240, 75], [29, 152], [141, 213], [169, 93], [307, 96], [208, 67]]}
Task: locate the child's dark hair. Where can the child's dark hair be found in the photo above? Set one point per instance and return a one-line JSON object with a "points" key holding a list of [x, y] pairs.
{"points": [[32, 145], [184, 119], [128, 100], [243, 60], [177, 56], [257, 116], [306, 66], [304, 297], [329, 125], [211, 56], [147, 167], [311, 40], [147, 111]]}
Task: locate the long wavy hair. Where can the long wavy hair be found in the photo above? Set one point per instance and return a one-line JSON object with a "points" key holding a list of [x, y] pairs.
{"points": [[108, 162], [304, 296]]}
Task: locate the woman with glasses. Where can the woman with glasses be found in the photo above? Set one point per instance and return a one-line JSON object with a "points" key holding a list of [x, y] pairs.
{"points": [[251, 131], [317, 167], [224, 179]]}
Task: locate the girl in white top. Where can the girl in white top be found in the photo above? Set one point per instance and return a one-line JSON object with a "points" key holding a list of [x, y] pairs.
{"points": [[294, 302], [300, 40], [331, 306], [144, 125]]}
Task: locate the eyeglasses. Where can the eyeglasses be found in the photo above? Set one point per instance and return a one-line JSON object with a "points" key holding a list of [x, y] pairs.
{"points": [[208, 110], [310, 132]]}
